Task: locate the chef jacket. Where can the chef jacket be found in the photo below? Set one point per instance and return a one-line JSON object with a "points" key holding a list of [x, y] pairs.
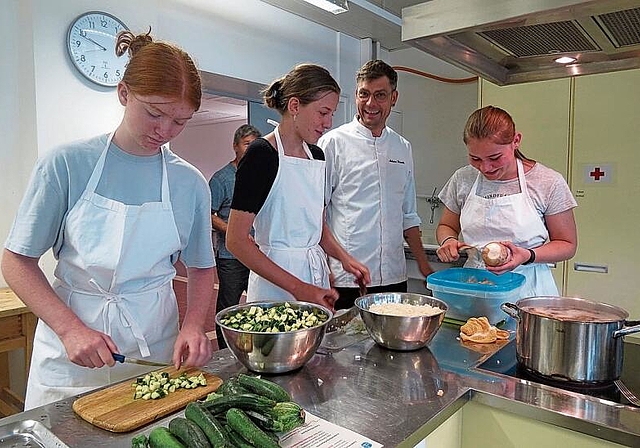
{"points": [[371, 200]]}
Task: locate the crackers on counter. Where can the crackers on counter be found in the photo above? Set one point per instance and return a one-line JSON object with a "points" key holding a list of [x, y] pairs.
{"points": [[479, 330]]}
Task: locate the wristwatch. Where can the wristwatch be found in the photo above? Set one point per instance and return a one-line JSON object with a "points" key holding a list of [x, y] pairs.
{"points": [[532, 257]]}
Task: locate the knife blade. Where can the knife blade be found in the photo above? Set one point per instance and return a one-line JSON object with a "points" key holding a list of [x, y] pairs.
{"points": [[121, 358]]}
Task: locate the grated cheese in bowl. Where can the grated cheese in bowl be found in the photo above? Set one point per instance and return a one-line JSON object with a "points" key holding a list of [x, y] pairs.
{"points": [[404, 309]]}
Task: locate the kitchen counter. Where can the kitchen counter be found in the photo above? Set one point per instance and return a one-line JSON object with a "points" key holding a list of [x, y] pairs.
{"points": [[395, 398]]}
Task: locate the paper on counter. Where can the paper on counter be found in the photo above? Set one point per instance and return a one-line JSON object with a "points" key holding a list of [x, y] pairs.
{"points": [[319, 433]]}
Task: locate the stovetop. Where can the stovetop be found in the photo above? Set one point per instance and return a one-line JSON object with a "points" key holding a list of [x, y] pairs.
{"points": [[504, 362]]}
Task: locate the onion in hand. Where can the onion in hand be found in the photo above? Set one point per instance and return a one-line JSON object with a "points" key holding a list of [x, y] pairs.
{"points": [[495, 254]]}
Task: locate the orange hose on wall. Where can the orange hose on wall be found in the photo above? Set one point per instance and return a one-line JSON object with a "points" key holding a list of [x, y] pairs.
{"points": [[435, 77]]}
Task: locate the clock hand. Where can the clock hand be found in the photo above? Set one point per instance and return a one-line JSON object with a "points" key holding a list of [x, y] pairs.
{"points": [[94, 42]]}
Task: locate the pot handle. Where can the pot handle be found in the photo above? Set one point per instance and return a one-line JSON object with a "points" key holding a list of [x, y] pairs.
{"points": [[634, 328], [512, 310]]}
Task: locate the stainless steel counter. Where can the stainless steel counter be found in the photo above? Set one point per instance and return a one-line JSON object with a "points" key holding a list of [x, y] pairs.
{"points": [[392, 397]]}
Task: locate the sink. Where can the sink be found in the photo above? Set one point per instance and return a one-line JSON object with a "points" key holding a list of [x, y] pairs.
{"points": [[28, 433]]}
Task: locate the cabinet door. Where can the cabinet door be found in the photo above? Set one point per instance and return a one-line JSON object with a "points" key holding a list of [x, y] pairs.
{"points": [[606, 122], [541, 111]]}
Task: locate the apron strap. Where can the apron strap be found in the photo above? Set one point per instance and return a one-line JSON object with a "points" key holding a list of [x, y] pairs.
{"points": [[97, 170], [114, 302], [166, 194], [280, 147], [317, 261], [319, 266]]}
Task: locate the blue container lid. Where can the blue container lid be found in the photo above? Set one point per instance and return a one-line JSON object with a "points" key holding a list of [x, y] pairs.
{"points": [[471, 279]]}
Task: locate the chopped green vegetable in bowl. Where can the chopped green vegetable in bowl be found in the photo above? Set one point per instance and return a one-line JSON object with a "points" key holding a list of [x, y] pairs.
{"points": [[283, 317], [273, 337]]}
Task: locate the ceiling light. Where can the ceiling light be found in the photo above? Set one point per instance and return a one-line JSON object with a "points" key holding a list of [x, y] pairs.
{"points": [[333, 6], [565, 60]]}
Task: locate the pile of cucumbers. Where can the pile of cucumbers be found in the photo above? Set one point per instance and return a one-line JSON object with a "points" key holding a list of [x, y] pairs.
{"points": [[245, 411]]}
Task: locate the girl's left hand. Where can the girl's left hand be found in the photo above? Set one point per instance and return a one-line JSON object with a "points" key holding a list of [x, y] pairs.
{"points": [[517, 256], [192, 348]]}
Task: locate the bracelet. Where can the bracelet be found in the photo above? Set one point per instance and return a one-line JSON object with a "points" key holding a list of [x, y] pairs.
{"points": [[447, 239], [532, 257]]}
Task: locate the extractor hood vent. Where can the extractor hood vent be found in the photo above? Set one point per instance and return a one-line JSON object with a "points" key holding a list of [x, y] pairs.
{"points": [[536, 40], [520, 43], [623, 27]]}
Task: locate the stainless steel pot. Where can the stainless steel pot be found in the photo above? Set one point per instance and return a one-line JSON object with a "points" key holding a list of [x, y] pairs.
{"points": [[570, 339]]}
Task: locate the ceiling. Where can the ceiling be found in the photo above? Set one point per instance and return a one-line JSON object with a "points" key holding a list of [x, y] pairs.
{"points": [[379, 20], [219, 109], [524, 42]]}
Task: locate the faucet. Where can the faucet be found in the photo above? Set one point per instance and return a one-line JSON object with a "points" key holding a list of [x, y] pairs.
{"points": [[435, 203]]}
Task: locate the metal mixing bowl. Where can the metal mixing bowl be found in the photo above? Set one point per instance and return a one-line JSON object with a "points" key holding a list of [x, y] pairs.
{"points": [[273, 352], [401, 332]]}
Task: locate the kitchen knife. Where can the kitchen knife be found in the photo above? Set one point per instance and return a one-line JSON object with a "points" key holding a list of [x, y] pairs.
{"points": [[121, 358]]}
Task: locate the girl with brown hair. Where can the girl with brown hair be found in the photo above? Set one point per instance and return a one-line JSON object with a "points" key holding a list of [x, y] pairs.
{"points": [[118, 210], [504, 196]]}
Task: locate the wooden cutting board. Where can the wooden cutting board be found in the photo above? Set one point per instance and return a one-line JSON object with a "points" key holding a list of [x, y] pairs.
{"points": [[114, 408]]}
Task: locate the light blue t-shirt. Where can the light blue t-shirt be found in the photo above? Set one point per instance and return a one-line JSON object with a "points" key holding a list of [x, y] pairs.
{"points": [[61, 175]]}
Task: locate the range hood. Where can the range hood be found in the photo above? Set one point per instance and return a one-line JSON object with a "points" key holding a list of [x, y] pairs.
{"points": [[516, 41]]}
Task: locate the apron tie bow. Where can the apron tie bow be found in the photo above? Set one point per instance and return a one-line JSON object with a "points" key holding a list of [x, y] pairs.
{"points": [[116, 303]]}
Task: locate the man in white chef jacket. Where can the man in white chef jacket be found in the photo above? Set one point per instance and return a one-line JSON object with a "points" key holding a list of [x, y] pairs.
{"points": [[371, 197]]}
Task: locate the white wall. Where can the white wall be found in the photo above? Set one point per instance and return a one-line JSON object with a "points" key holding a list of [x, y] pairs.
{"points": [[45, 103], [433, 118], [17, 112]]}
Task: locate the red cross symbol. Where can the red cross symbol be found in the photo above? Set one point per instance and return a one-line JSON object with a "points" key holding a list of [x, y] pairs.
{"points": [[596, 173]]}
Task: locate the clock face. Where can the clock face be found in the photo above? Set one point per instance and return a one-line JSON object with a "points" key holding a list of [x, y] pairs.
{"points": [[91, 43]]}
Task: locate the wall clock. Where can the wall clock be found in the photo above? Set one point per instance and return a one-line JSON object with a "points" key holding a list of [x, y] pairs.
{"points": [[91, 42]]}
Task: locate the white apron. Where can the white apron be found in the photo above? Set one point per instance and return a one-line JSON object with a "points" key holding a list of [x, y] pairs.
{"points": [[114, 271], [508, 218], [288, 227]]}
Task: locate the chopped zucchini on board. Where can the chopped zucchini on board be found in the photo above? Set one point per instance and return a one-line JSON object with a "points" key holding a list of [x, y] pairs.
{"points": [[155, 385], [274, 319]]}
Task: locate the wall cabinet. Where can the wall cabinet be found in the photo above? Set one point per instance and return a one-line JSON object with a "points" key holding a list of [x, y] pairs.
{"points": [[582, 127]]}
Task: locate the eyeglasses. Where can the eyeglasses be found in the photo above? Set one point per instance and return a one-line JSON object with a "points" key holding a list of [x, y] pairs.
{"points": [[380, 96]]}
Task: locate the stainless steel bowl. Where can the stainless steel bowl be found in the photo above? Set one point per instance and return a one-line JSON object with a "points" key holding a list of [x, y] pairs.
{"points": [[400, 332], [273, 352]]}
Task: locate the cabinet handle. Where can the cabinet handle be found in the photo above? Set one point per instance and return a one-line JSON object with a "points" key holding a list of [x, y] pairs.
{"points": [[598, 269]]}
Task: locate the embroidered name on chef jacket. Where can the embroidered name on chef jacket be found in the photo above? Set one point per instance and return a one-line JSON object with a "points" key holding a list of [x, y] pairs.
{"points": [[401, 162]]}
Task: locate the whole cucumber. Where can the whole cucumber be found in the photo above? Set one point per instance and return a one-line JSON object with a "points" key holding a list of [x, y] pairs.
{"points": [[249, 431], [212, 428], [161, 437], [264, 387], [250, 401], [189, 433]]}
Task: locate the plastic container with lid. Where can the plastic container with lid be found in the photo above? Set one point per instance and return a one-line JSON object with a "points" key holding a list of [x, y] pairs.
{"points": [[470, 292]]}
